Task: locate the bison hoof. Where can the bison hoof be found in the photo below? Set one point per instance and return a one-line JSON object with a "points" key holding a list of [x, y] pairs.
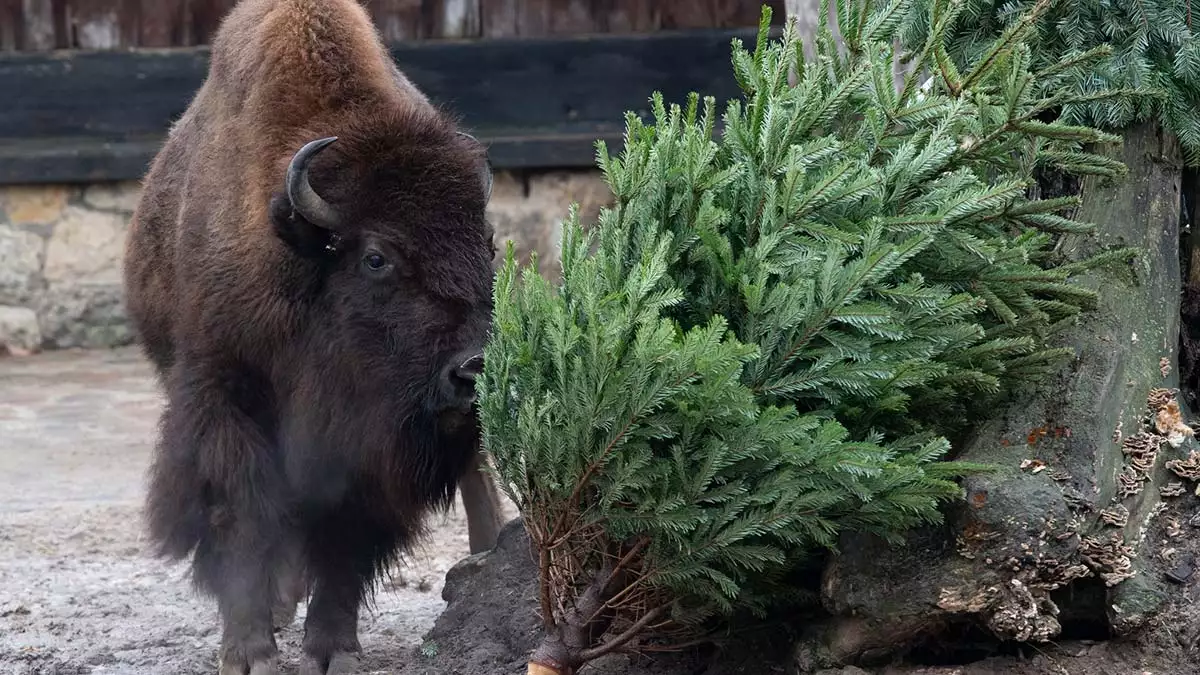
{"points": [[265, 667], [240, 667], [340, 663]]}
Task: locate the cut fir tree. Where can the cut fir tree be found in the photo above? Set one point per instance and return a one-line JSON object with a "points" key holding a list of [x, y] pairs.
{"points": [[765, 340]]}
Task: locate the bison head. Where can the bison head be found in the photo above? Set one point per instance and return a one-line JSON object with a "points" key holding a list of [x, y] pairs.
{"points": [[387, 223]]}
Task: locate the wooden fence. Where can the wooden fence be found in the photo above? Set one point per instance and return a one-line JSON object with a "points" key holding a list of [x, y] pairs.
{"points": [[539, 81], [40, 25]]}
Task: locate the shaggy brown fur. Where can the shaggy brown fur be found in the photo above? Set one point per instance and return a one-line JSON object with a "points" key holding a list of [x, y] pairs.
{"points": [[314, 413]]}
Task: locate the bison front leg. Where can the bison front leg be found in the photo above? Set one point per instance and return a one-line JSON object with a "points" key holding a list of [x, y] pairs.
{"points": [[331, 629], [243, 593], [481, 501], [342, 557], [214, 488]]}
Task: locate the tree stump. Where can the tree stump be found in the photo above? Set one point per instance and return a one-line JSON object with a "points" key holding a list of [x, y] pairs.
{"points": [[1070, 528]]}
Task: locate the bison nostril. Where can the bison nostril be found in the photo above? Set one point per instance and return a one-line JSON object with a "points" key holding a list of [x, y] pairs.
{"points": [[470, 368]]}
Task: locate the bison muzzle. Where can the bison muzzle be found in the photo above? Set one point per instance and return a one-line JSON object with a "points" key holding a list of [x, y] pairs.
{"points": [[310, 271]]}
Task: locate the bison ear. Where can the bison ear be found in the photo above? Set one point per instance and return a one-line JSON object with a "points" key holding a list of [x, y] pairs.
{"points": [[306, 239], [485, 167], [302, 219]]}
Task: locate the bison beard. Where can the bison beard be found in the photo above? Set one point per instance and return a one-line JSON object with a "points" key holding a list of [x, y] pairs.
{"points": [[309, 270]]}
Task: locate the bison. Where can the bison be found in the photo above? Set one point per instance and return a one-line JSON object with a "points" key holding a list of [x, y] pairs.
{"points": [[309, 269]]}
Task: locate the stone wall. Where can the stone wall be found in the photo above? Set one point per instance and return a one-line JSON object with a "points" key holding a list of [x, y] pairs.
{"points": [[61, 250]]}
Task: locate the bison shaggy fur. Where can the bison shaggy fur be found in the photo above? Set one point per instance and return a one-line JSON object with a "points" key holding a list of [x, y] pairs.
{"points": [[310, 271]]}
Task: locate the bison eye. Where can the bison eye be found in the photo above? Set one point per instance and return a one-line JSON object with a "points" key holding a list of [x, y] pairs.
{"points": [[376, 264]]}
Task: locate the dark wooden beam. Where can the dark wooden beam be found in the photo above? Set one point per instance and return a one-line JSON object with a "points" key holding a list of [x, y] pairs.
{"points": [[538, 103]]}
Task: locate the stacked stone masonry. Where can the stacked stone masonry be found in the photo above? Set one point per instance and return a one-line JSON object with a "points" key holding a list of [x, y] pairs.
{"points": [[62, 247]]}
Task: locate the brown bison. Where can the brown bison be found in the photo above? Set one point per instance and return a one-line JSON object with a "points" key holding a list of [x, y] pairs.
{"points": [[310, 271]]}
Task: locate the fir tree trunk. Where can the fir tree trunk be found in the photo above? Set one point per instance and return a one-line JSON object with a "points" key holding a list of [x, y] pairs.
{"points": [[1073, 526], [580, 635]]}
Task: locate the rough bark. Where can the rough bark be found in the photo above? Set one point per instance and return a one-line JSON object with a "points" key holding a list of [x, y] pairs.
{"points": [[1031, 541]]}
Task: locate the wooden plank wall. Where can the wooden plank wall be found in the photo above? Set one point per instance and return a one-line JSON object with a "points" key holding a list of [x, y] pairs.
{"points": [[40, 25]]}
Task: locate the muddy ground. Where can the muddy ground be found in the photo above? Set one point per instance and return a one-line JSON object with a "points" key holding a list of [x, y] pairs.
{"points": [[80, 594]]}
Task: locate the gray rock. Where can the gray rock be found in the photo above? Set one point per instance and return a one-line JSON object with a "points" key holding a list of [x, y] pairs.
{"points": [[87, 247], [118, 197], [531, 215], [33, 205], [19, 329], [84, 315], [21, 255]]}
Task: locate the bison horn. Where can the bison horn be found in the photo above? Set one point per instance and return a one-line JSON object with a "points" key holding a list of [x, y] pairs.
{"points": [[485, 173], [305, 200]]}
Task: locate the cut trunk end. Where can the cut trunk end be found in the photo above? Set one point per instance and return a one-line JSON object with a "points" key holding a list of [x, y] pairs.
{"points": [[541, 669]]}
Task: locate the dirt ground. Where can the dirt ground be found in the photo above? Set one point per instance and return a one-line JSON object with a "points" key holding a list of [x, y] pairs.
{"points": [[78, 591]]}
